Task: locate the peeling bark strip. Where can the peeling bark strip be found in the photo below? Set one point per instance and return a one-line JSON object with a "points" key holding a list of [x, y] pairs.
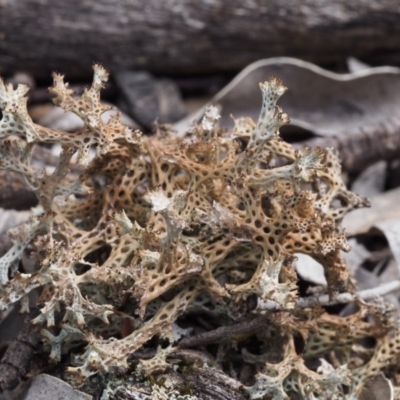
{"points": [[171, 36]]}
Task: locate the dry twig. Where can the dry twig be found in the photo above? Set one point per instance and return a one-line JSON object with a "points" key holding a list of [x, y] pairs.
{"points": [[342, 298]]}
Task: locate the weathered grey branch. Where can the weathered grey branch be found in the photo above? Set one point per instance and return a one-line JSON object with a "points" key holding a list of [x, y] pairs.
{"points": [[184, 36], [363, 147]]}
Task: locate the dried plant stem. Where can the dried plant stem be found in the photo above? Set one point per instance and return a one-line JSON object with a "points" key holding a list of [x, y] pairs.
{"points": [[324, 300]]}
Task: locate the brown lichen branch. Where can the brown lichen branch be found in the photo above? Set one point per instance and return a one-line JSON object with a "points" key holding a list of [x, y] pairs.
{"points": [[153, 228]]}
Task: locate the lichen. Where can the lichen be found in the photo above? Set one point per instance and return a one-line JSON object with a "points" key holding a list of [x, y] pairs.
{"points": [[155, 227]]}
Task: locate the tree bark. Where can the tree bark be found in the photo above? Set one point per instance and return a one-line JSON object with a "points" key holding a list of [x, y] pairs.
{"points": [[190, 36]]}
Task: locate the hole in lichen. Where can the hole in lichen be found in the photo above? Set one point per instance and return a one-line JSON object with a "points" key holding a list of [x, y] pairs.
{"points": [[241, 207], [267, 207], [368, 343], [80, 269], [99, 256], [299, 343], [164, 167], [266, 229]]}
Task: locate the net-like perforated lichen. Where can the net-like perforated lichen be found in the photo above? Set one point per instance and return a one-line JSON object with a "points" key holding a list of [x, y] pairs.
{"points": [[155, 227]]}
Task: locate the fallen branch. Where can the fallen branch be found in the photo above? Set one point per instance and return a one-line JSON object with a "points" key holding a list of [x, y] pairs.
{"points": [[363, 147], [196, 37]]}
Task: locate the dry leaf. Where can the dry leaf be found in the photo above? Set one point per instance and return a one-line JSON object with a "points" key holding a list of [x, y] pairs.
{"points": [[371, 181], [309, 269], [384, 206], [391, 229], [378, 388], [356, 256], [335, 103]]}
